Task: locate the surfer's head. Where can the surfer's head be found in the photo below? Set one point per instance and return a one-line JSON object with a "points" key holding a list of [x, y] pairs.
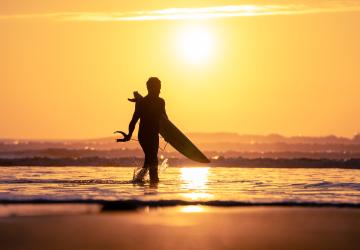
{"points": [[153, 86]]}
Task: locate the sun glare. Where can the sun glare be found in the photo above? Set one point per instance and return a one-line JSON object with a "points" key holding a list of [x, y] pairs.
{"points": [[194, 178], [192, 209], [196, 44]]}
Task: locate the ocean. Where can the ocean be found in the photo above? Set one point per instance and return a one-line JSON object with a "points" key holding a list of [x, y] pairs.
{"points": [[213, 185]]}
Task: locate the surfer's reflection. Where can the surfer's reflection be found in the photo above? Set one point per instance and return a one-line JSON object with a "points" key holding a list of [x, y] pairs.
{"points": [[149, 110]]}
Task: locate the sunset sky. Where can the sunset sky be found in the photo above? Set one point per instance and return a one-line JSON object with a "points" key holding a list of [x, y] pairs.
{"points": [[258, 67]]}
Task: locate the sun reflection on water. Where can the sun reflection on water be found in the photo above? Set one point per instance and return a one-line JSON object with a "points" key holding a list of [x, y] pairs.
{"points": [[195, 180], [192, 209]]}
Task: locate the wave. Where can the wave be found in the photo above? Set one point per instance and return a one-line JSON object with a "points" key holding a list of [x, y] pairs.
{"points": [[136, 204], [322, 184], [328, 185]]}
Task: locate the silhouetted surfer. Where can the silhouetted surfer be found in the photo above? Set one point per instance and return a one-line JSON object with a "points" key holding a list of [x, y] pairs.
{"points": [[149, 110]]}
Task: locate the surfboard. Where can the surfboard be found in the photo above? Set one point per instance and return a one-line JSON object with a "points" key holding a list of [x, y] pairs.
{"points": [[176, 138]]}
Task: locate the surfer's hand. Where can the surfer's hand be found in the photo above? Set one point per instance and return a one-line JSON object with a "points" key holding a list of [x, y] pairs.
{"points": [[126, 138]]}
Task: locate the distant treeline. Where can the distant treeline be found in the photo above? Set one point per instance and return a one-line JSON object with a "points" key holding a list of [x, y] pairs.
{"points": [[220, 162]]}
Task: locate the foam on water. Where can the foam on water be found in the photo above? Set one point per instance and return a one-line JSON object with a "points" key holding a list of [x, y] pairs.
{"points": [[142, 174]]}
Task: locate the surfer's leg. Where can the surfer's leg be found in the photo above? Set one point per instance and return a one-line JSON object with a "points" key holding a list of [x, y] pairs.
{"points": [[150, 146], [153, 164], [140, 174], [144, 148]]}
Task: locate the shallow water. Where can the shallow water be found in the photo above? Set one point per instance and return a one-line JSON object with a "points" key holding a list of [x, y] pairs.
{"points": [[254, 185]]}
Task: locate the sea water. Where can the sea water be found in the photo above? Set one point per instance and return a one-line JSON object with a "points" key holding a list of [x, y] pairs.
{"points": [[254, 185]]}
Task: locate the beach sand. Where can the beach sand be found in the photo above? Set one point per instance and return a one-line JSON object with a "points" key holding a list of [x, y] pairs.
{"points": [[183, 227]]}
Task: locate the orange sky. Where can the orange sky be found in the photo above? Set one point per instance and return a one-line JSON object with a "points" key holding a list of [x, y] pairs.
{"points": [[292, 68]]}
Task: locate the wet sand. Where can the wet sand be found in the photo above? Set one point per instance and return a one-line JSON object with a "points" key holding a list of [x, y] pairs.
{"points": [[184, 227]]}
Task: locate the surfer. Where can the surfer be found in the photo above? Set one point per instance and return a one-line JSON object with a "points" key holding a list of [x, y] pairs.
{"points": [[149, 110]]}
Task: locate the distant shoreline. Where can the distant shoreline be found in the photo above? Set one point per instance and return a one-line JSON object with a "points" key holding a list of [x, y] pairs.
{"points": [[182, 162]]}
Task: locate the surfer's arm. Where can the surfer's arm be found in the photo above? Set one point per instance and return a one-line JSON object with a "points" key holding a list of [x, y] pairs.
{"points": [[133, 121]]}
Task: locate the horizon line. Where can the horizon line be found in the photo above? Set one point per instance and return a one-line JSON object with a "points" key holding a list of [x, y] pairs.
{"points": [[188, 133]]}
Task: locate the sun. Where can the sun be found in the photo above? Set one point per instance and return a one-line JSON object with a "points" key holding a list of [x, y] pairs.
{"points": [[196, 44]]}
